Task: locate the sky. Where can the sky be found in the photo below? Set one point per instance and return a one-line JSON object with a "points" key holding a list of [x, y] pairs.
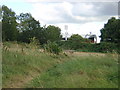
{"points": [[81, 16]]}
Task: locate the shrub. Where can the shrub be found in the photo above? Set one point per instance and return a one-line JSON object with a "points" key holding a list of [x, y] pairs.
{"points": [[105, 47], [88, 47], [34, 43], [52, 47]]}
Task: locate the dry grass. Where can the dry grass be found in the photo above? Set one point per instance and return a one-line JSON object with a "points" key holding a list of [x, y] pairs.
{"points": [[29, 67]]}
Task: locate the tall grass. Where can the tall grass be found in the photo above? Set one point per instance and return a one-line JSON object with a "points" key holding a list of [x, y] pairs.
{"points": [[80, 72], [20, 62], [68, 70], [0, 65]]}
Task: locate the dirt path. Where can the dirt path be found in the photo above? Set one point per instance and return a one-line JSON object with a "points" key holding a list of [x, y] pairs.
{"points": [[88, 54], [72, 52]]}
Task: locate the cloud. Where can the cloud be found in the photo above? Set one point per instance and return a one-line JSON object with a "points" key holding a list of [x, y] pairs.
{"points": [[51, 12], [68, 12], [108, 8], [39, 1]]}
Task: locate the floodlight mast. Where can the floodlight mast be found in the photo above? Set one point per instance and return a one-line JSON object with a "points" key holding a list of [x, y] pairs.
{"points": [[66, 33], [119, 10]]}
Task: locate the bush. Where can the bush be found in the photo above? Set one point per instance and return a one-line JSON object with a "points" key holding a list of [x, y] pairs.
{"points": [[105, 47], [88, 47], [52, 47], [34, 43], [99, 47]]}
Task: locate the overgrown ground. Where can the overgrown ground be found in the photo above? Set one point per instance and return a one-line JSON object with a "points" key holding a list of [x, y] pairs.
{"points": [[0, 65], [25, 66]]}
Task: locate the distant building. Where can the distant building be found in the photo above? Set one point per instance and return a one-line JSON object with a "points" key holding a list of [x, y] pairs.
{"points": [[91, 37]]}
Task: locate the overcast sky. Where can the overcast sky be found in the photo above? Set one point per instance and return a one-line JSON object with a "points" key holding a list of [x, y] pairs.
{"points": [[81, 16]]}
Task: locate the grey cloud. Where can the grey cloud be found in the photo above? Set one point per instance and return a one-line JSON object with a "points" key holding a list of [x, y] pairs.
{"points": [[59, 1], [98, 11], [108, 8]]}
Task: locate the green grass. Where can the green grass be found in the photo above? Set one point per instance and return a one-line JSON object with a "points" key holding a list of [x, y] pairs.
{"points": [[17, 65], [0, 65], [80, 72], [47, 71]]}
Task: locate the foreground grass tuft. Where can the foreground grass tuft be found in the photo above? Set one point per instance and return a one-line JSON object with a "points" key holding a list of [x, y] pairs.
{"points": [[21, 63]]}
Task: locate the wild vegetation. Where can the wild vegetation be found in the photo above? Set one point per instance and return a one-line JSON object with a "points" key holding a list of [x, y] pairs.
{"points": [[35, 56], [52, 47], [28, 67]]}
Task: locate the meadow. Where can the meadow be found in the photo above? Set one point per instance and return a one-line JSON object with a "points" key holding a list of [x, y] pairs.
{"points": [[24, 66]]}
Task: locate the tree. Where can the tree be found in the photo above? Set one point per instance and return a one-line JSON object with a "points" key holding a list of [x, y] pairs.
{"points": [[75, 41], [111, 31], [28, 28], [0, 13], [76, 38], [9, 24], [53, 33]]}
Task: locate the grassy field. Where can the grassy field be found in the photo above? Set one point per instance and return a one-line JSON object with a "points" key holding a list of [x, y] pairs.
{"points": [[0, 65], [28, 67]]}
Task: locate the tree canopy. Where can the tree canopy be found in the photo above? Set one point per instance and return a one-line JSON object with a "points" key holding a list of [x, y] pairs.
{"points": [[23, 27], [53, 33], [76, 41], [9, 24], [111, 31], [28, 27]]}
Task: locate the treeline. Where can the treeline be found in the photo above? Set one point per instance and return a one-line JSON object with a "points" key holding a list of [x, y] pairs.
{"points": [[23, 27], [103, 47], [110, 34]]}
